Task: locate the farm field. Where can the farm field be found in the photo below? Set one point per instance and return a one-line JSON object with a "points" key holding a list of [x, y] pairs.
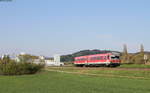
{"points": [[60, 82]]}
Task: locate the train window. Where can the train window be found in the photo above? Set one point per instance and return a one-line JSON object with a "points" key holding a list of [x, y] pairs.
{"points": [[93, 58], [83, 59], [104, 57], [99, 58], [115, 57], [107, 57]]}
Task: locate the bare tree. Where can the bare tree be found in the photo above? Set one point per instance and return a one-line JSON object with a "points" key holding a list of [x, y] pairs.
{"points": [[125, 56], [142, 49], [125, 51]]}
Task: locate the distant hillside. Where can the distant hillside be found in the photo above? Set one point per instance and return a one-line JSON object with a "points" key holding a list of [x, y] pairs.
{"points": [[145, 52], [70, 57]]}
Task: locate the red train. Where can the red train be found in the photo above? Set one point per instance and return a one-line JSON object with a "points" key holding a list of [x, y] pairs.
{"points": [[107, 59]]}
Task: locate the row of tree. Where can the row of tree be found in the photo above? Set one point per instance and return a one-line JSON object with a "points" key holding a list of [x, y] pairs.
{"points": [[138, 58]]}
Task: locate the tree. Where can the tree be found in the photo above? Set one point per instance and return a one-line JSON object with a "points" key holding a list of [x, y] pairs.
{"points": [[125, 51], [139, 57], [142, 49], [142, 53], [27, 58], [5, 59], [125, 56]]}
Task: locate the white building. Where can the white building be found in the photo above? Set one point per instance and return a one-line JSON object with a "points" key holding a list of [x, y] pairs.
{"points": [[55, 62]]}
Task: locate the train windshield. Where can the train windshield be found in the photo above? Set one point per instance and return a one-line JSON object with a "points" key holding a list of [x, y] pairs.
{"points": [[115, 57]]}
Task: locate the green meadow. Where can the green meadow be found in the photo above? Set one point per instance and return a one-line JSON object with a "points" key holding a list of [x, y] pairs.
{"points": [[61, 82]]}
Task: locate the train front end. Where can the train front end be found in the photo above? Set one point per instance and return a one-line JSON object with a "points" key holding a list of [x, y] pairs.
{"points": [[115, 59]]}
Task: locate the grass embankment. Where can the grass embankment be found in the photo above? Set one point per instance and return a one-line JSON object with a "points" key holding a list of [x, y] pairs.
{"points": [[55, 82]]}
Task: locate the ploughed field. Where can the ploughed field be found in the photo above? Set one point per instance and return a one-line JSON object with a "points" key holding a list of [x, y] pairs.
{"points": [[79, 80]]}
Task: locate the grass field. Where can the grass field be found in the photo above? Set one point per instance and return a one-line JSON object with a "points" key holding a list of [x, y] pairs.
{"points": [[59, 82], [113, 72]]}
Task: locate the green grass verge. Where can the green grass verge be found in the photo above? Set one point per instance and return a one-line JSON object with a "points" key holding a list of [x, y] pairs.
{"points": [[55, 82]]}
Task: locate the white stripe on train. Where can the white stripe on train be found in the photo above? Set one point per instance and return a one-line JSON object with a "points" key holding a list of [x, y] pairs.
{"points": [[96, 63]]}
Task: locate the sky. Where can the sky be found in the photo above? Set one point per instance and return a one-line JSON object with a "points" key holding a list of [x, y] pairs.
{"points": [[48, 27]]}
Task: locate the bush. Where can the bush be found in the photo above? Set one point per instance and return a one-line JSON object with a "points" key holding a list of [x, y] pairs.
{"points": [[18, 68], [138, 59], [29, 68]]}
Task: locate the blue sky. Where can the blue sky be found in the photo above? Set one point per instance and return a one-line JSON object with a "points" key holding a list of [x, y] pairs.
{"points": [[47, 27]]}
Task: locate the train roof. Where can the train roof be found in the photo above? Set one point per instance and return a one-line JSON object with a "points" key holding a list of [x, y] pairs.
{"points": [[104, 54], [92, 55]]}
